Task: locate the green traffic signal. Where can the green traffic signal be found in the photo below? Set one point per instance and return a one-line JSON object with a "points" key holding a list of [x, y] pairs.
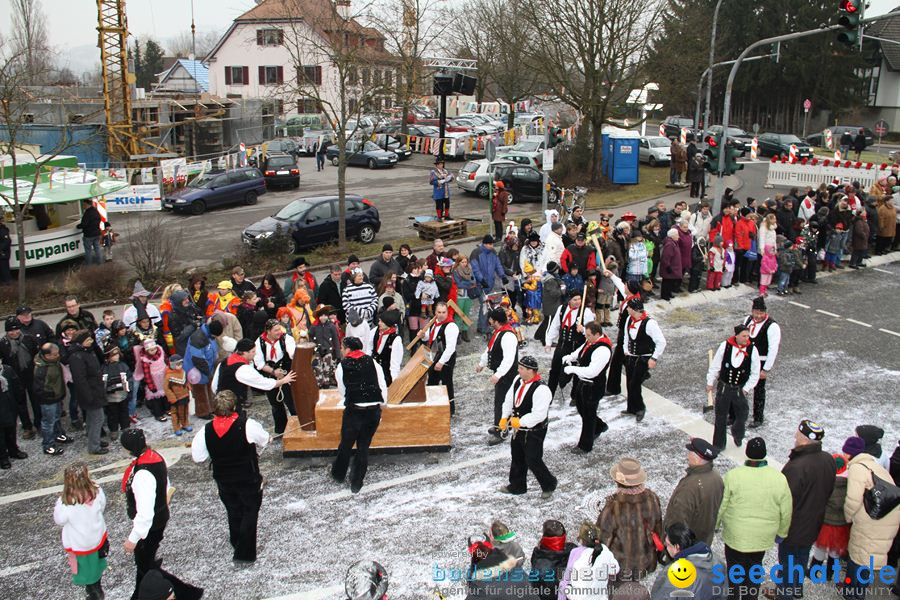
{"points": [[731, 163]]}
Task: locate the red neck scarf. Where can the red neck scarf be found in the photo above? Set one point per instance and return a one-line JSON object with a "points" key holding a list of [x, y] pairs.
{"points": [[382, 335], [525, 384], [555, 543], [587, 347], [496, 334], [567, 320], [635, 323], [356, 354], [753, 325], [265, 339], [221, 425], [741, 349], [627, 298], [236, 358], [147, 457], [434, 329]]}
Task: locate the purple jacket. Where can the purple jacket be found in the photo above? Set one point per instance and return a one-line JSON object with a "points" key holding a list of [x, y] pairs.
{"points": [[670, 261], [685, 241]]}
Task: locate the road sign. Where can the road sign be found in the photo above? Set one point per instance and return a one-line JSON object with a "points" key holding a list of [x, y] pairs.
{"points": [[881, 128], [807, 104], [756, 128], [490, 150], [547, 162]]}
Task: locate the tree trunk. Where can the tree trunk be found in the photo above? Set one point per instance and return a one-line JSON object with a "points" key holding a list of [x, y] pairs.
{"points": [[20, 242], [342, 196], [597, 150]]}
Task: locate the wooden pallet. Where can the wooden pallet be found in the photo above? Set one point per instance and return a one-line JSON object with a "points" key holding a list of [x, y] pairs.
{"points": [[445, 230]]}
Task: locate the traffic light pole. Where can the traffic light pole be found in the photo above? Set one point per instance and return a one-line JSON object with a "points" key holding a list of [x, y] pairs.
{"points": [[700, 88], [712, 55]]}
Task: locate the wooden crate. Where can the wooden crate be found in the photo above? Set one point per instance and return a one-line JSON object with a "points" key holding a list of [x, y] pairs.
{"points": [[445, 230]]}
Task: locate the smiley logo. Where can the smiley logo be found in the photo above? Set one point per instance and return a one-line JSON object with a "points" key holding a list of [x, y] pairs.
{"points": [[682, 573]]}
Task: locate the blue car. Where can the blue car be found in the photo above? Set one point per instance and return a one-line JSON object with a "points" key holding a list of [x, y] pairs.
{"points": [[217, 188]]}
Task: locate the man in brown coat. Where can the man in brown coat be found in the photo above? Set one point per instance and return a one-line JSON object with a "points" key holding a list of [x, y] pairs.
{"points": [[696, 499], [499, 206]]}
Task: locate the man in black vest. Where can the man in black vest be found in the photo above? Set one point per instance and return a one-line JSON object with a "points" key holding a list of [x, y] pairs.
{"points": [[232, 442], [147, 494], [524, 409], [629, 291], [765, 336], [388, 351], [236, 372], [567, 330], [363, 390], [736, 365], [588, 363], [273, 357], [440, 338], [644, 344], [500, 357]]}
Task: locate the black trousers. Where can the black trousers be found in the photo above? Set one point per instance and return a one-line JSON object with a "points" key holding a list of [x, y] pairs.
{"points": [[117, 416], [8, 441], [441, 205], [745, 590], [498, 230], [669, 288], [759, 398], [27, 379], [636, 371], [443, 377], [242, 503], [357, 427], [279, 409], [557, 376], [730, 400], [500, 394], [587, 399], [527, 449], [614, 374], [694, 281]]}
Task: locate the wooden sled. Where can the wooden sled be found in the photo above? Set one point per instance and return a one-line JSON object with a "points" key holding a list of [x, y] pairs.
{"points": [[415, 419]]}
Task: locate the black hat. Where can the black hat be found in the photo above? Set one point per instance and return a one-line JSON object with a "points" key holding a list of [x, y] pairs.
{"points": [[23, 310], [552, 267], [299, 261], [580, 236], [352, 259], [353, 317], [215, 327], [391, 318], [637, 233], [81, 336], [12, 324], [534, 236], [529, 362], [387, 302], [133, 440], [652, 210], [488, 239], [154, 587], [498, 315], [244, 345], [387, 247], [438, 160], [756, 449], [636, 304], [746, 211], [739, 328], [811, 429], [702, 448], [759, 303], [173, 358]]}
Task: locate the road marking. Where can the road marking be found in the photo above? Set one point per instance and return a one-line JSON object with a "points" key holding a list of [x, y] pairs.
{"points": [[20, 569], [858, 322], [889, 331], [882, 270], [830, 314], [797, 304]]}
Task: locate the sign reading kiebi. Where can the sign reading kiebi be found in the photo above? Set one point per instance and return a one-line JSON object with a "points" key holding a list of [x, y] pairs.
{"points": [[134, 198]]}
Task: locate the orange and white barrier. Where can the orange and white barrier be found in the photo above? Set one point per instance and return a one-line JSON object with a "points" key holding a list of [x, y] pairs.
{"points": [[662, 130], [837, 155], [100, 205], [754, 148], [829, 139], [793, 153], [683, 136]]}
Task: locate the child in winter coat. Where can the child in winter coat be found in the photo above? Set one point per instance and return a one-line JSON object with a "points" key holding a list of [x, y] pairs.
{"points": [[532, 288], [606, 293], [507, 542], [118, 382], [716, 261], [574, 281], [549, 558], [833, 247], [767, 268], [79, 511], [591, 566], [178, 392], [698, 263], [427, 293], [636, 267], [728, 274], [150, 367], [786, 264], [834, 535]]}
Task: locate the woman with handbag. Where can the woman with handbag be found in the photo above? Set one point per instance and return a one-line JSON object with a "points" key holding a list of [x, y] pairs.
{"points": [[79, 511]]}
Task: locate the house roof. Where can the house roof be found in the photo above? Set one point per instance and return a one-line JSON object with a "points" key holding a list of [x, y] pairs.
{"points": [[195, 68], [888, 29]]}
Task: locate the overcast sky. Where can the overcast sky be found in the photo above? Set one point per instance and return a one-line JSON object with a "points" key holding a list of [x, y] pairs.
{"points": [[73, 23]]}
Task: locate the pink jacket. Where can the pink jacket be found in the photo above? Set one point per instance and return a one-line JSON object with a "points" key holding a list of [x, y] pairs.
{"points": [[157, 370]]}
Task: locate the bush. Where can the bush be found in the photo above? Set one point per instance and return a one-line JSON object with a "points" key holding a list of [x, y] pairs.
{"points": [[96, 282], [153, 246]]}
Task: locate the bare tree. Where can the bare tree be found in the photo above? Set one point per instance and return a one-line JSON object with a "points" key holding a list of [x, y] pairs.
{"points": [[29, 37], [591, 54], [342, 68], [182, 46]]}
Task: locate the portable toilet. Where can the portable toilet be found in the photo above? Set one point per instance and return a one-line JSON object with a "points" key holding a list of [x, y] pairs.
{"points": [[623, 156]]}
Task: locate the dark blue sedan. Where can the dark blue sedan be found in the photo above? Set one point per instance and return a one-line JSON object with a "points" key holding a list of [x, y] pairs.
{"points": [[217, 188], [366, 154]]}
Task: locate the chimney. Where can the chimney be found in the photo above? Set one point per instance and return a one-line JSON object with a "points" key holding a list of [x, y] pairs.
{"points": [[343, 9]]}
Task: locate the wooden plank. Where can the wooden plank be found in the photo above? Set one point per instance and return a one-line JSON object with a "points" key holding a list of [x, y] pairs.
{"points": [[413, 372], [304, 390], [457, 310]]}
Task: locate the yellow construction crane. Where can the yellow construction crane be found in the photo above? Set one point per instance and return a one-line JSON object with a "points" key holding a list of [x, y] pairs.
{"points": [[112, 26]]}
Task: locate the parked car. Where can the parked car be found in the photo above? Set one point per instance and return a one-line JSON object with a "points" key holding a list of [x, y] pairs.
{"points": [[217, 188], [818, 139], [313, 221], [674, 123], [655, 150], [450, 126], [531, 147], [417, 130], [779, 144], [363, 154], [475, 176], [476, 125], [281, 170], [525, 183], [737, 137], [282, 146], [388, 142]]}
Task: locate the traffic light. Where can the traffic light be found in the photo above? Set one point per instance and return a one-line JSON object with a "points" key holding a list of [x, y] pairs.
{"points": [[713, 147], [850, 14], [731, 156], [556, 136]]}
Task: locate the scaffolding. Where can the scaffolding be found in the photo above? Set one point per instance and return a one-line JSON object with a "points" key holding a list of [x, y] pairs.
{"points": [[112, 28]]}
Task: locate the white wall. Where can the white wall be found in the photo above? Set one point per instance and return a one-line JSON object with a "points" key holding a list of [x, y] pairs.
{"points": [[888, 88]]}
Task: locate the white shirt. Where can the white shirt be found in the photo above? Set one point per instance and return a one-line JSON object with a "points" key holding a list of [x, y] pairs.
{"points": [[264, 349], [254, 433], [364, 332], [553, 249], [247, 375], [540, 403], [339, 375], [143, 485], [652, 330], [599, 360], [700, 225], [129, 317], [83, 524], [620, 286], [451, 335], [737, 359], [508, 344], [774, 335], [570, 313], [396, 354], [590, 581]]}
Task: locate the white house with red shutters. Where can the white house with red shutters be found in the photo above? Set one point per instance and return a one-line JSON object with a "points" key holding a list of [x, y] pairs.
{"points": [[252, 61]]}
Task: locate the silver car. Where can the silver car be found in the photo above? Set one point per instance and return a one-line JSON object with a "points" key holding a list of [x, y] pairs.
{"points": [[655, 150], [475, 176]]}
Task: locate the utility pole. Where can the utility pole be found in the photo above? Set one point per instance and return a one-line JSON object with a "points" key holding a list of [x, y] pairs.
{"points": [[712, 55]]}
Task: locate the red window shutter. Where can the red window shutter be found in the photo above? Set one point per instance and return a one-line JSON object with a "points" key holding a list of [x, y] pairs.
{"points": [[280, 74], [262, 75], [245, 71], [227, 75], [318, 75], [259, 37]]}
